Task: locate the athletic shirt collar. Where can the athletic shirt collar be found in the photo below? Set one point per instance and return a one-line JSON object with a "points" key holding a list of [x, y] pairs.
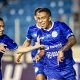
{"points": [[50, 28], [38, 26]]}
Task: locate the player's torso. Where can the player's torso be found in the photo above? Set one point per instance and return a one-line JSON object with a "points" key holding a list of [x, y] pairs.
{"points": [[53, 41]]}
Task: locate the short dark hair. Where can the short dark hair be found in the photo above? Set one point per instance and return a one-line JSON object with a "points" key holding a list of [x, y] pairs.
{"points": [[47, 10], [1, 19], [36, 10]]}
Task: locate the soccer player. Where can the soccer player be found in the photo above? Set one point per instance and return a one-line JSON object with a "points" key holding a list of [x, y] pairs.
{"points": [[58, 39], [31, 38], [5, 43], [8, 44]]}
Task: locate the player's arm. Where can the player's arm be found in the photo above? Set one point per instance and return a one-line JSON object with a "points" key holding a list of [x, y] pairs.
{"points": [[25, 44], [2, 47], [68, 45], [40, 54], [22, 49]]}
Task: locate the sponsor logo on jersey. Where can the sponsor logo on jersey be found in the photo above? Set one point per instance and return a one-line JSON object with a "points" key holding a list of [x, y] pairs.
{"points": [[48, 47], [51, 54]]}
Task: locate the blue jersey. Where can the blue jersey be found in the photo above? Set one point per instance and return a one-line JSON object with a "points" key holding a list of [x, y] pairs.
{"points": [[54, 39], [32, 35], [10, 44]]}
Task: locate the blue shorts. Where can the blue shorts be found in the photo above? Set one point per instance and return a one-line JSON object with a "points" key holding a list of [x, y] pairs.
{"points": [[38, 67], [65, 74]]}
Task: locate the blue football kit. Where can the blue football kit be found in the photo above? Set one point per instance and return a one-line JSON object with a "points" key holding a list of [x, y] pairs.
{"points": [[54, 39], [10, 44], [32, 35]]}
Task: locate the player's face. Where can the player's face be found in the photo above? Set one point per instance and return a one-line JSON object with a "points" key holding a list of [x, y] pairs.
{"points": [[43, 19], [1, 27], [37, 20]]}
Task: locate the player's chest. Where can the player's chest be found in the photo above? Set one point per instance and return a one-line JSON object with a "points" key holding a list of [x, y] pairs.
{"points": [[2, 40], [53, 35]]}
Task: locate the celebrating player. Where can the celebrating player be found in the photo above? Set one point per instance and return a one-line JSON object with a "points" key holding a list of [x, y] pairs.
{"points": [[31, 38], [58, 39]]}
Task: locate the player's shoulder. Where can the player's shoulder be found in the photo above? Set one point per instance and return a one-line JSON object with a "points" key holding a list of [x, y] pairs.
{"points": [[6, 36], [60, 24], [56, 24], [32, 26]]}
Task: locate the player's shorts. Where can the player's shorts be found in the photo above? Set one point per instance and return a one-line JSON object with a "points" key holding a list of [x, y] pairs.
{"points": [[38, 67], [0, 75], [66, 74]]}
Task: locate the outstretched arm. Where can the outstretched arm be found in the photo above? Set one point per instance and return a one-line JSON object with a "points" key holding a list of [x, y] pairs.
{"points": [[25, 44], [26, 48], [22, 49]]}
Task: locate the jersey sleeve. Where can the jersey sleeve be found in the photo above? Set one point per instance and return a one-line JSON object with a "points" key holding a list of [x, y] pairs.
{"points": [[39, 33], [67, 32], [11, 45], [28, 36]]}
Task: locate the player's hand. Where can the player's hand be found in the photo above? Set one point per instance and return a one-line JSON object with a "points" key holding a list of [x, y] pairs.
{"points": [[39, 55], [37, 58], [60, 57], [38, 42], [18, 57], [2, 48]]}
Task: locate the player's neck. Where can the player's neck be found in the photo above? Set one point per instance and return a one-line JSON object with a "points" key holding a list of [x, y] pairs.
{"points": [[50, 25], [1, 34]]}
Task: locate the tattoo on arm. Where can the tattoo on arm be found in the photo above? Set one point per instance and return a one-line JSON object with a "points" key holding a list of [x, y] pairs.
{"points": [[69, 44]]}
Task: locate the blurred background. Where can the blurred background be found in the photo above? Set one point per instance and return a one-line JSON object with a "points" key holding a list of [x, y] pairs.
{"points": [[19, 15]]}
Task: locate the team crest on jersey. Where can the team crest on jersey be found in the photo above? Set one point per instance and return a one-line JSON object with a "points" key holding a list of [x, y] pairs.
{"points": [[54, 34]]}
